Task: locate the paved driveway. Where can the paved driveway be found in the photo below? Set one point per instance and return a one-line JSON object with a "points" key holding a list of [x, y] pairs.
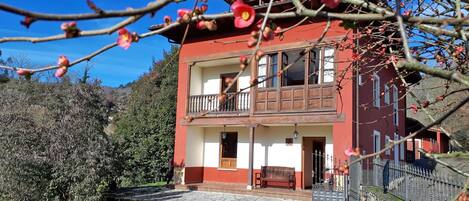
{"points": [[178, 195]]}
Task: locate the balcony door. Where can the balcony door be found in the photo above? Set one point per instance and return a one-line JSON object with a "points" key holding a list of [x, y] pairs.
{"points": [[226, 80]]}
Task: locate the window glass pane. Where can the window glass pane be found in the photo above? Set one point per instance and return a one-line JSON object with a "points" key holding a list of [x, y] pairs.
{"points": [[295, 75], [262, 71], [313, 68], [229, 144], [273, 70], [329, 52], [328, 76]]}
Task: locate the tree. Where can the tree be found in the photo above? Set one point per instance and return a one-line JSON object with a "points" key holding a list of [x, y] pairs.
{"points": [[145, 130], [52, 142]]}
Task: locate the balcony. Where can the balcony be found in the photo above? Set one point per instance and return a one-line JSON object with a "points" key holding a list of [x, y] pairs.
{"points": [[307, 86], [235, 104]]}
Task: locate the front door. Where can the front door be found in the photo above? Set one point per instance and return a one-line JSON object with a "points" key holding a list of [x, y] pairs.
{"points": [[313, 160]]}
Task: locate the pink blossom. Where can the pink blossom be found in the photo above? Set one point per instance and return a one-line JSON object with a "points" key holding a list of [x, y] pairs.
{"points": [[243, 13], [124, 39]]}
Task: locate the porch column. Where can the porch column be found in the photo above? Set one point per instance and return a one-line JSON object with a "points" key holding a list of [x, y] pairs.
{"points": [[252, 131], [438, 140]]}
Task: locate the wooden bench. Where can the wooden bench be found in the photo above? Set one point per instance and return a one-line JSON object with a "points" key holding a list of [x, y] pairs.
{"points": [[276, 174]]}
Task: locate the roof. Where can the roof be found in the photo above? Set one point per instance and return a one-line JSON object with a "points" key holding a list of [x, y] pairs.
{"points": [[225, 25]]}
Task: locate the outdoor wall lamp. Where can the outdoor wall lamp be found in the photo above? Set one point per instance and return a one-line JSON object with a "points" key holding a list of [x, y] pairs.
{"points": [[295, 133]]}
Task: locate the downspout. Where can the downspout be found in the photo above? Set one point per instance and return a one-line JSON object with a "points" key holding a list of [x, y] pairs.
{"points": [[357, 102]]}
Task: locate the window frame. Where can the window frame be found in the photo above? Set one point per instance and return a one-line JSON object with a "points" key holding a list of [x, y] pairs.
{"points": [[269, 71], [386, 142], [387, 98], [281, 54], [395, 106], [375, 143], [402, 149], [376, 90], [221, 158]]}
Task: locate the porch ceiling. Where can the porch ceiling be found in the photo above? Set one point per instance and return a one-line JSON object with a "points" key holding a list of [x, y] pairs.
{"points": [[218, 62]]}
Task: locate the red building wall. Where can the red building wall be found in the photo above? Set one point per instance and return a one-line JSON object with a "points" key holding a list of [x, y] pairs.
{"points": [[204, 47]]}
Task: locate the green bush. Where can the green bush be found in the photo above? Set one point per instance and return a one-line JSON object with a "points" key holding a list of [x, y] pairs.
{"points": [[52, 143], [145, 130]]}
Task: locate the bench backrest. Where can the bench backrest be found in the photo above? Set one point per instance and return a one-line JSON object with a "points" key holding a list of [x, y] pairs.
{"points": [[277, 172]]}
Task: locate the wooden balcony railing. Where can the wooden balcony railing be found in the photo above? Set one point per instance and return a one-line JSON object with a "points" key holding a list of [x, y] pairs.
{"points": [[209, 103]]}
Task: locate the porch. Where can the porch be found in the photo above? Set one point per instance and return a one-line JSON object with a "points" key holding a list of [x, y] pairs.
{"points": [[233, 154], [241, 189]]}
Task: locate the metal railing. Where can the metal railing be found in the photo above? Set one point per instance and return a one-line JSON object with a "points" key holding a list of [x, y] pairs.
{"points": [[403, 180], [239, 103]]}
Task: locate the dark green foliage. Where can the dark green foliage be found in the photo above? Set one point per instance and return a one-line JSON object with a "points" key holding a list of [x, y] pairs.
{"points": [[145, 130], [52, 143]]}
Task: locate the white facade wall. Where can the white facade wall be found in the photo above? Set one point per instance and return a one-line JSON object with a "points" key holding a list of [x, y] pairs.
{"points": [[194, 147], [269, 148], [206, 80]]}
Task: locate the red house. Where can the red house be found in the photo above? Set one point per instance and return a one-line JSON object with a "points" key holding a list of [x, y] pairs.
{"points": [[283, 121]]}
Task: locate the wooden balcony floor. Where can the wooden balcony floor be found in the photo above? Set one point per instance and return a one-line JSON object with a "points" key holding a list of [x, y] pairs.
{"points": [[241, 189]]}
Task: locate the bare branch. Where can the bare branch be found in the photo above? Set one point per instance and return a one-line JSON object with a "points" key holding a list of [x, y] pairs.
{"points": [[449, 75], [442, 162], [109, 30], [151, 7]]}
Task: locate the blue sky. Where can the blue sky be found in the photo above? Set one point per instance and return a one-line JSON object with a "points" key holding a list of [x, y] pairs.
{"points": [[114, 67]]}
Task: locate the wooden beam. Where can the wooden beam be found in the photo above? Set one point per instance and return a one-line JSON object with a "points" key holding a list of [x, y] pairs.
{"points": [[252, 132], [269, 118]]}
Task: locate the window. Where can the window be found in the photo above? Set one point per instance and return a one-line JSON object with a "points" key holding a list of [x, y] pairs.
{"points": [[262, 71], [360, 80], [295, 74], [376, 141], [402, 149], [396, 149], [387, 139], [314, 71], [386, 94], [267, 67], [395, 106], [328, 65], [376, 91], [228, 149]]}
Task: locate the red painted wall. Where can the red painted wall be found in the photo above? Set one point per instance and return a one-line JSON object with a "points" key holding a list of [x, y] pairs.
{"points": [[381, 119], [206, 46], [343, 132]]}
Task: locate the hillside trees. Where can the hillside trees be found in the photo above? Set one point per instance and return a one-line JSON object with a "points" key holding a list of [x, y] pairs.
{"points": [[145, 130], [52, 143]]}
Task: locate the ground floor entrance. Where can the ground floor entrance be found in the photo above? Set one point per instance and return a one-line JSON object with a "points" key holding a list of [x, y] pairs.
{"points": [[313, 151], [227, 154]]}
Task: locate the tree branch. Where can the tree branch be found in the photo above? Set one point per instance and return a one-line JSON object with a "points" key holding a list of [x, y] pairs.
{"points": [[151, 7], [449, 75], [109, 30], [443, 163]]}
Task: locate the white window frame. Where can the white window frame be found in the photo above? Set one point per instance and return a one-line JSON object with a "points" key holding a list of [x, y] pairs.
{"points": [[376, 144], [386, 141], [386, 94], [395, 107], [376, 90], [328, 70], [396, 149], [402, 145], [360, 80], [262, 75]]}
